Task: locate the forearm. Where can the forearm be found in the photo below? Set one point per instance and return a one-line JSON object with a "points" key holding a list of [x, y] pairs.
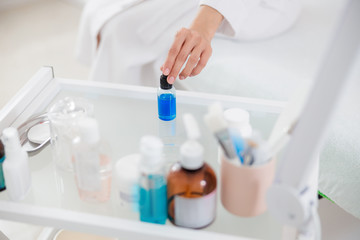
{"points": [[207, 21]]}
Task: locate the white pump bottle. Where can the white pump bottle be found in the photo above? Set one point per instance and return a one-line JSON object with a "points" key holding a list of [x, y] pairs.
{"points": [[16, 166]]}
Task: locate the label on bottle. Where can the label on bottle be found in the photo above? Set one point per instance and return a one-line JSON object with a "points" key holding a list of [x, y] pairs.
{"points": [[195, 212], [129, 197], [2, 181]]}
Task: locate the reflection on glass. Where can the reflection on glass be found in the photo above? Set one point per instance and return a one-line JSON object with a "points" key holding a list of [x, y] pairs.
{"points": [[167, 133]]}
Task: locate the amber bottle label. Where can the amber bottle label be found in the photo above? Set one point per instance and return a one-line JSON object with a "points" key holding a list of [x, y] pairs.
{"points": [[195, 212]]}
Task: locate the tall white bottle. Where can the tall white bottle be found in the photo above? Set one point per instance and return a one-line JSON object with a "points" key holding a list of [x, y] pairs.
{"points": [[16, 166]]}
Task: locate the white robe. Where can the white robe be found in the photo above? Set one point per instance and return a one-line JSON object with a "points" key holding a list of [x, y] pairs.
{"points": [[135, 34]]}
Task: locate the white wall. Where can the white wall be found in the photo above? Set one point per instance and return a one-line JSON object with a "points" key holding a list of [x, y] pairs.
{"points": [[77, 2], [6, 4]]}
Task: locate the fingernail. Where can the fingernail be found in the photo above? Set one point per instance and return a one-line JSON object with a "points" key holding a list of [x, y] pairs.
{"points": [[166, 72], [182, 77], [171, 80]]}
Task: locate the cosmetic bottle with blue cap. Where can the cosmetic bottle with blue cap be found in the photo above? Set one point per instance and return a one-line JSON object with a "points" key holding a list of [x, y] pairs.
{"points": [[191, 183]]}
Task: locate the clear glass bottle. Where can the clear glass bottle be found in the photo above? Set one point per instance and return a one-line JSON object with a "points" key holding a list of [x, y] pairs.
{"points": [[92, 163], [166, 95], [191, 187], [152, 181]]}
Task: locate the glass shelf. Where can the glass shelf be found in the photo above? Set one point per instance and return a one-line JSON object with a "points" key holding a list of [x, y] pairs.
{"points": [[123, 118]]}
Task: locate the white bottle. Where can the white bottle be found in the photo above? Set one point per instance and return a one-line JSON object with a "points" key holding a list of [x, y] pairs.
{"points": [[127, 179], [92, 164], [16, 166], [240, 120]]}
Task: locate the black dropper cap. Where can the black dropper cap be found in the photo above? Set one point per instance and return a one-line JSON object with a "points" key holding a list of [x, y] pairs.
{"points": [[163, 82]]}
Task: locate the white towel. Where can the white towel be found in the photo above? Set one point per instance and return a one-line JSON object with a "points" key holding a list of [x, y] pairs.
{"points": [[340, 158]]}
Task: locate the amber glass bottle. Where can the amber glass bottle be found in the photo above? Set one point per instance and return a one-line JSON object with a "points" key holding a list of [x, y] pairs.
{"points": [[191, 189]]}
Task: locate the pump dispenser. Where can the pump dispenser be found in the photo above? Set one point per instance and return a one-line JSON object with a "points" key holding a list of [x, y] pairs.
{"points": [[16, 166], [191, 183], [152, 181], [166, 100]]}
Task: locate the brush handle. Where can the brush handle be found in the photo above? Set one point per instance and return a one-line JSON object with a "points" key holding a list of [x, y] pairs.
{"points": [[224, 139]]}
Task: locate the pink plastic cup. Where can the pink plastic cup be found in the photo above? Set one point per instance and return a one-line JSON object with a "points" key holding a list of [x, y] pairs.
{"points": [[243, 188]]}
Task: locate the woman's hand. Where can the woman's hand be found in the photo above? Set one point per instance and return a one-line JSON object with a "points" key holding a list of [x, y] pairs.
{"points": [[192, 45], [188, 45]]}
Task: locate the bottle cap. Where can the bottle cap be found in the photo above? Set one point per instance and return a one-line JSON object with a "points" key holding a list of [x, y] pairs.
{"points": [[164, 83], [127, 169], [11, 139], [191, 155], [89, 130], [13, 149], [240, 119], [151, 150], [237, 116]]}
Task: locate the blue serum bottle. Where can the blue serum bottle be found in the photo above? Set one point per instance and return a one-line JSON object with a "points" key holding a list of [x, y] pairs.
{"points": [[166, 100], [153, 195]]}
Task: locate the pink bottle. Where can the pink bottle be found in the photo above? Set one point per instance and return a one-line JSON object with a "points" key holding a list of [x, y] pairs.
{"points": [[91, 164]]}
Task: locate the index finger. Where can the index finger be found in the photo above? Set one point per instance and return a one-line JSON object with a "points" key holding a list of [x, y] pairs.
{"points": [[173, 52]]}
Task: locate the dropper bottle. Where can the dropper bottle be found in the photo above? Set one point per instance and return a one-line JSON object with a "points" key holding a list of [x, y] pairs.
{"points": [[191, 184], [16, 166], [166, 100]]}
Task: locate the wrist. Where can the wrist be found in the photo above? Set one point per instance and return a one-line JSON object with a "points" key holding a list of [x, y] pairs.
{"points": [[207, 22]]}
